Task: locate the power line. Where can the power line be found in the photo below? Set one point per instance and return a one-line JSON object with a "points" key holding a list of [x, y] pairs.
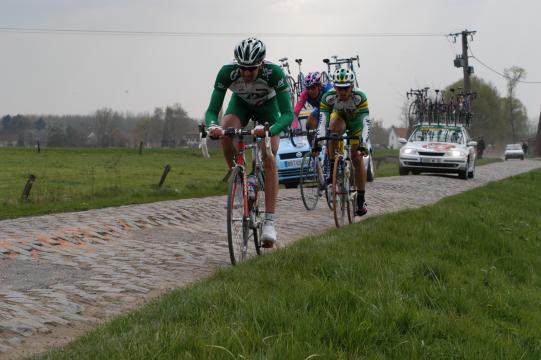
{"points": [[499, 73], [57, 31]]}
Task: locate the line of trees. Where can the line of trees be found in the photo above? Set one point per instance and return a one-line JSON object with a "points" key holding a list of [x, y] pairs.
{"points": [[499, 119], [169, 127]]}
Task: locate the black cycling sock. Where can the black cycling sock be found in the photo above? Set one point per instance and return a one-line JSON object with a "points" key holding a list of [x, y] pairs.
{"points": [[360, 196]]}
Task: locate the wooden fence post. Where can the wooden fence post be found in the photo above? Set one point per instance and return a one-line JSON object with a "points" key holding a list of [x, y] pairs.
{"points": [[166, 170], [28, 187], [141, 148]]}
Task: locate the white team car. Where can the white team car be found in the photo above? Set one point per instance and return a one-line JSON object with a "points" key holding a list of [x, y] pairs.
{"points": [[438, 149], [514, 151]]}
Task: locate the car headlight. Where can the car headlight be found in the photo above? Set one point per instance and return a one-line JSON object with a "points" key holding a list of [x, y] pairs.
{"points": [[409, 151], [456, 153]]}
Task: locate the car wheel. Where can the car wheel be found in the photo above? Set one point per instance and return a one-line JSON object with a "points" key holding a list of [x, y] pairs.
{"points": [[506, 158], [415, 172], [463, 174], [471, 174], [403, 171], [291, 185], [522, 158]]}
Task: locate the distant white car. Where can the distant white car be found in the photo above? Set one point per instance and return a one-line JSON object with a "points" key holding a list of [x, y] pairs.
{"points": [[438, 149], [514, 151]]}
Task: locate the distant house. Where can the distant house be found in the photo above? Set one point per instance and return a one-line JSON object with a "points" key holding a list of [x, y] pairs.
{"points": [[91, 139], [8, 139], [394, 135]]}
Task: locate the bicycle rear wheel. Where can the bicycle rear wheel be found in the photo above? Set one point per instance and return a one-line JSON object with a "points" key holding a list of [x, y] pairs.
{"points": [[339, 192], [239, 233], [309, 180]]}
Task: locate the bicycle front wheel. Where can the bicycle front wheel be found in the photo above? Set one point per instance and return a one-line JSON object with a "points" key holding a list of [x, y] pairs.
{"points": [[309, 180], [339, 192], [239, 233], [351, 190]]}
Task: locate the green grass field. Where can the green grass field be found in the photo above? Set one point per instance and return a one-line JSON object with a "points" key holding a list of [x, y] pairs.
{"points": [[82, 179], [456, 280]]}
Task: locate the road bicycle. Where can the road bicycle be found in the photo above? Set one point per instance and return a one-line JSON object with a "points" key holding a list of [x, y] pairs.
{"points": [[245, 194], [344, 184], [419, 107], [314, 173]]}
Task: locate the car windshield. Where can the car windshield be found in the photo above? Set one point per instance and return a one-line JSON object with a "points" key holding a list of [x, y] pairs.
{"points": [[514, 147], [438, 135]]}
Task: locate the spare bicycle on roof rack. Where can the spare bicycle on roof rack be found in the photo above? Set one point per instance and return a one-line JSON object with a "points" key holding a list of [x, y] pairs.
{"points": [[296, 86], [452, 107]]}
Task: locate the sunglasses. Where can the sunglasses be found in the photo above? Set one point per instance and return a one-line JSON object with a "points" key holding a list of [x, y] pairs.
{"points": [[248, 68], [312, 87], [342, 88]]}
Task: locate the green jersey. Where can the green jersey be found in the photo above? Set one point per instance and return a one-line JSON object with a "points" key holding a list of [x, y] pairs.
{"points": [[355, 106], [269, 86], [353, 110]]}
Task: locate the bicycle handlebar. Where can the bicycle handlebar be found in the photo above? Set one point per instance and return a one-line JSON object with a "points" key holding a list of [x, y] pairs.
{"points": [[232, 132]]}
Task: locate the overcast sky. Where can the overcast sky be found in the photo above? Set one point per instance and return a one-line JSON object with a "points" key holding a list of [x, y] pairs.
{"points": [[46, 73]]}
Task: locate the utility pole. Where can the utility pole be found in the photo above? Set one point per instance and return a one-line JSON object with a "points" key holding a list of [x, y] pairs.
{"points": [[462, 60]]}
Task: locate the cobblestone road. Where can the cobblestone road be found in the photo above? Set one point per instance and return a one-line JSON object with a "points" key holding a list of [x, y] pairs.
{"points": [[62, 274]]}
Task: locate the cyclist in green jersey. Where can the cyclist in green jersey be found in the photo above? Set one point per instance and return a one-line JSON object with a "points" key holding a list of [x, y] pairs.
{"points": [[345, 108], [260, 91]]}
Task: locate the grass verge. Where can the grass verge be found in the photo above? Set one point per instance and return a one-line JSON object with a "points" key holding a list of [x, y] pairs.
{"points": [[459, 279]]}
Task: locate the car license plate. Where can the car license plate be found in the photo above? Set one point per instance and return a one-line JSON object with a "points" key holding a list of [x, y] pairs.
{"points": [[293, 163], [430, 160]]}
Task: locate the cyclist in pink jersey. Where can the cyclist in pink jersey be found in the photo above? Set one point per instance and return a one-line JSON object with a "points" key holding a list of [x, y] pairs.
{"points": [[314, 90]]}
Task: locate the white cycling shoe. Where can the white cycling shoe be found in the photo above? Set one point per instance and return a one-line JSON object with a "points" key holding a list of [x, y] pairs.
{"points": [[268, 234]]}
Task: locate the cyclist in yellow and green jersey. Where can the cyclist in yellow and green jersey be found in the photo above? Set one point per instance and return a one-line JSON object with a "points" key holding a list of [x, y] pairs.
{"points": [[260, 92], [345, 108]]}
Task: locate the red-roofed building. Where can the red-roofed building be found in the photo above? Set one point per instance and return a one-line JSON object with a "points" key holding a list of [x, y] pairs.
{"points": [[395, 134]]}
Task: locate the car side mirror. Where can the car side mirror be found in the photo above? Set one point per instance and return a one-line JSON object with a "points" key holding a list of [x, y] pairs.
{"points": [[472, 143], [402, 141]]}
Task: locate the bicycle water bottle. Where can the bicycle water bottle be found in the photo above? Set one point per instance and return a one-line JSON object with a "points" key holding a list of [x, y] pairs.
{"points": [[251, 185]]}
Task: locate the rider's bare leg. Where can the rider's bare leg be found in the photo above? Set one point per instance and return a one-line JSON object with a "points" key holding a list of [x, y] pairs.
{"points": [[311, 124], [360, 171], [271, 175], [229, 120]]}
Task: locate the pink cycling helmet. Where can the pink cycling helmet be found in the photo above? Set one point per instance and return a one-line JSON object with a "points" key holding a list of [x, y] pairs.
{"points": [[313, 78]]}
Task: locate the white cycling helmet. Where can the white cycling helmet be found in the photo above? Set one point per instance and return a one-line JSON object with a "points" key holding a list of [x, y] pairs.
{"points": [[250, 52], [343, 78]]}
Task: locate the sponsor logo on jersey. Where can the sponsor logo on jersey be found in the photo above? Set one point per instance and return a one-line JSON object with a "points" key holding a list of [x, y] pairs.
{"points": [[235, 74]]}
